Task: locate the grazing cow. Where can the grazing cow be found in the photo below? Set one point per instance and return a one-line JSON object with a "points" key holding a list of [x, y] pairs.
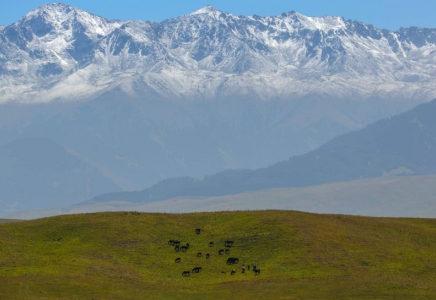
{"points": [[233, 272], [196, 270], [183, 248], [187, 245], [232, 260], [221, 252], [197, 231], [207, 255], [211, 244], [257, 272], [176, 248], [178, 259], [227, 251], [199, 254], [171, 242], [228, 243], [186, 274]]}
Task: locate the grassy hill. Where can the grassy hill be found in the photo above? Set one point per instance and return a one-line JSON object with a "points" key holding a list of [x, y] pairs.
{"points": [[8, 221], [301, 256]]}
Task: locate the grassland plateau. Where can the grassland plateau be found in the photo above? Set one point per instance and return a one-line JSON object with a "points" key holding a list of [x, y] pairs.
{"points": [[301, 256]]}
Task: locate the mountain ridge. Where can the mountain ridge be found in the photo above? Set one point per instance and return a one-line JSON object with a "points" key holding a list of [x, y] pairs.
{"points": [[195, 95], [402, 145], [265, 57]]}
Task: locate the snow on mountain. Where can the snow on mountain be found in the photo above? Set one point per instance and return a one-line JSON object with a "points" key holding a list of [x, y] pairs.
{"points": [[210, 53], [208, 10], [197, 94]]}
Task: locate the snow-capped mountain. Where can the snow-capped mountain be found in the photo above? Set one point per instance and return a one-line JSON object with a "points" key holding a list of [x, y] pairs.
{"points": [[210, 54], [131, 103]]}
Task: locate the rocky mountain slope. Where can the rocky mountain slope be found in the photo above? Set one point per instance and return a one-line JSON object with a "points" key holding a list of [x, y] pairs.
{"points": [[210, 54], [138, 102]]}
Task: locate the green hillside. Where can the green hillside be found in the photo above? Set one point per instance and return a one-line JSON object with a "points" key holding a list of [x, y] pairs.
{"points": [[7, 221], [300, 255]]}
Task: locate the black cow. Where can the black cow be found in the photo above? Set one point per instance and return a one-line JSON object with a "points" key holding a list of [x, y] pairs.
{"points": [[221, 252], [211, 244], [233, 272], [178, 259], [176, 248], [173, 242], [207, 256], [196, 270], [257, 271], [184, 248], [197, 231], [227, 251], [186, 274], [199, 254], [232, 261], [228, 243]]}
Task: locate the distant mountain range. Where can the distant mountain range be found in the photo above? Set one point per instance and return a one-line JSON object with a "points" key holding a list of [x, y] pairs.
{"points": [[130, 103], [402, 145], [212, 54]]}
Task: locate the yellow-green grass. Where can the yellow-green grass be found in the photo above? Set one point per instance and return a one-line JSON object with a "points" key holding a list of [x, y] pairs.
{"points": [[301, 256], [8, 221]]}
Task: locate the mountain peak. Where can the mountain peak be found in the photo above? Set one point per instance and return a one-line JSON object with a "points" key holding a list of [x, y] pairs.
{"points": [[59, 12], [325, 23], [55, 14], [60, 18], [56, 5], [207, 10], [49, 9]]}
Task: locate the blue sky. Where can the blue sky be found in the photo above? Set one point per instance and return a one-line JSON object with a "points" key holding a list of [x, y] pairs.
{"points": [[390, 14]]}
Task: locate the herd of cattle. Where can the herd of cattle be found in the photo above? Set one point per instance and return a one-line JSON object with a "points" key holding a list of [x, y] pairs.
{"points": [[227, 244]]}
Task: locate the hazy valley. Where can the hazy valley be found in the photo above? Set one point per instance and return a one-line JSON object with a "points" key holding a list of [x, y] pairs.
{"points": [[203, 93]]}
